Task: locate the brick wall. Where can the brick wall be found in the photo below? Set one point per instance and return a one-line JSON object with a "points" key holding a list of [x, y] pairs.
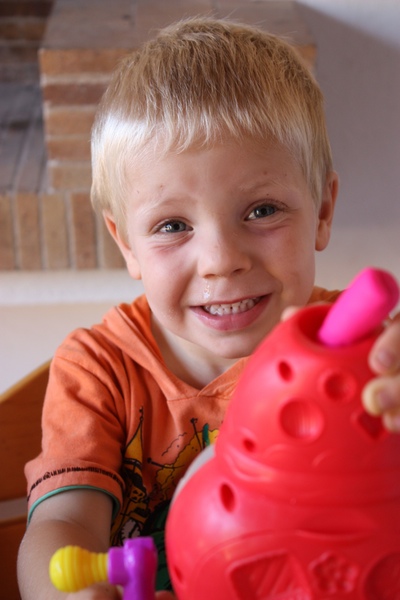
{"points": [[46, 221], [22, 147], [22, 25]]}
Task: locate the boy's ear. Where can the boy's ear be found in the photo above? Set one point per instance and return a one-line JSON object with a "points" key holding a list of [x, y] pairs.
{"points": [[326, 210], [126, 251]]}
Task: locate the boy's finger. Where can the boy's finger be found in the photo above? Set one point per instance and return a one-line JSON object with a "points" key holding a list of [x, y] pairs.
{"points": [[391, 421], [382, 396], [98, 591], [384, 357]]}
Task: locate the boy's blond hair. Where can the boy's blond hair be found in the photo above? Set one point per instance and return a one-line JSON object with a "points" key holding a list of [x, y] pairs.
{"points": [[198, 82]]}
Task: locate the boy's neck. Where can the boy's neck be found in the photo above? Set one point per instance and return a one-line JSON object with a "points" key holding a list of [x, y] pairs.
{"points": [[188, 362]]}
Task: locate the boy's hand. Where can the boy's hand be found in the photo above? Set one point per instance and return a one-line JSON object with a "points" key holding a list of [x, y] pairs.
{"points": [[382, 395], [105, 591], [98, 591], [108, 592]]}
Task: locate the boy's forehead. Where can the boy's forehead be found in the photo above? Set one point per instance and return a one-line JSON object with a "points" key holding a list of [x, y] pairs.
{"points": [[246, 165], [161, 147]]}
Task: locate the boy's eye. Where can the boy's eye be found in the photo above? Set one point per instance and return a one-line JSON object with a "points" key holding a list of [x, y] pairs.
{"points": [[173, 227], [265, 210]]}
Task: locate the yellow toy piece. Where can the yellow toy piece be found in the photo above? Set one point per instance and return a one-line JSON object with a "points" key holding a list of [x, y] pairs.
{"points": [[72, 568]]}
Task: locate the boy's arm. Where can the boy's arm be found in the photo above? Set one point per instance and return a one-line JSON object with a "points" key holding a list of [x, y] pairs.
{"points": [[77, 517]]}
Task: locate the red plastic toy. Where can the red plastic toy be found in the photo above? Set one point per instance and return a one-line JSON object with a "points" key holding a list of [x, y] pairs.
{"points": [[301, 500]]}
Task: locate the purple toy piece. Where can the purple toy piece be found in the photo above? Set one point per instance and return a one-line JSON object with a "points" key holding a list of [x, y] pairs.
{"points": [[360, 309], [134, 567]]}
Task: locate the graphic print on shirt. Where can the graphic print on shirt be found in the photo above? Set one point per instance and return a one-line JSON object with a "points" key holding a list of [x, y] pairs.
{"points": [[140, 504]]}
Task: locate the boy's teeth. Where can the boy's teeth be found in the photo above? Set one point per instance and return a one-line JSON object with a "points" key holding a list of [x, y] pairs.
{"points": [[231, 309]]}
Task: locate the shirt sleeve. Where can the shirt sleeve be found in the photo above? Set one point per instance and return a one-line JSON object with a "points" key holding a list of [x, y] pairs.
{"points": [[83, 424]]}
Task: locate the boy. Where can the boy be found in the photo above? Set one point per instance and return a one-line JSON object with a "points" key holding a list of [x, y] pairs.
{"points": [[212, 169]]}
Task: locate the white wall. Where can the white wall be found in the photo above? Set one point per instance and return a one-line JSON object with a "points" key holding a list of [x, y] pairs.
{"points": [[359, 71], [37, 310]]}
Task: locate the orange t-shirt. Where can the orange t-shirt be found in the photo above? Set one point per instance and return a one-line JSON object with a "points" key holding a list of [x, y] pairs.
{"points": [[117, 420]]}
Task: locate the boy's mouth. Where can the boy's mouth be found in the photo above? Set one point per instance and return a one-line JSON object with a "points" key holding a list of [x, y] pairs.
{"points": [[231, 309]]}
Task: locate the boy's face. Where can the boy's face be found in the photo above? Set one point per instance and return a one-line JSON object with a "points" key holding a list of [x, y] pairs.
{"points": [[224, 240]]}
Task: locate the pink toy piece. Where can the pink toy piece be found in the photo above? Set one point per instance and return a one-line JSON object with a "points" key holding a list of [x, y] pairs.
{"points": [[134, 567], [360, 309]]}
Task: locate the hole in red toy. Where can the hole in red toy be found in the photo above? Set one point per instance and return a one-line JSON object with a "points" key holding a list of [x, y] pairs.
{"points": [[371, 425], [339, 386], [285, 370], [227, 497], [249, 445], [302, 420]]}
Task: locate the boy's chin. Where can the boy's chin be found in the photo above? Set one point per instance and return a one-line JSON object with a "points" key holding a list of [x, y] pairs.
{"points": [[233, 350]]}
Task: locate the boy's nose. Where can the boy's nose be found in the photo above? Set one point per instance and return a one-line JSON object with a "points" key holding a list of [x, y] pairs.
{"points": [[223, 256]]}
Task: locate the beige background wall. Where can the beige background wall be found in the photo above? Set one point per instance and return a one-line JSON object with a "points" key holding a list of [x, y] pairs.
{"points": [[358, 66]]}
